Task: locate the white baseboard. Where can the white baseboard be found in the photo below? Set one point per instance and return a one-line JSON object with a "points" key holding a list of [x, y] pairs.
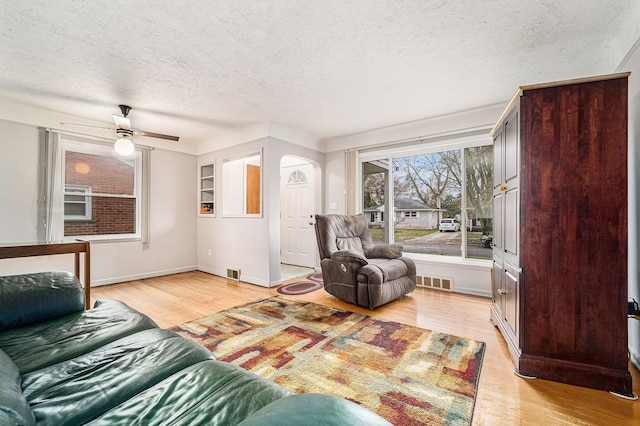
{"points": [[635, 358], [472, 291], [244, 278], [125, 278]]}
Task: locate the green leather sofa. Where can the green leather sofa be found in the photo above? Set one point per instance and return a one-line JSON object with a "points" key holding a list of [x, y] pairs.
{"points": [[111, 365]]}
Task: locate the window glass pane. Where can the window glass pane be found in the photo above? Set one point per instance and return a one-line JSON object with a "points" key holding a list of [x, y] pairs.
{"points": [[74, 209], [479, 186], [110, 204], [441, 200], [109, 216], [74, 199], [103, 173], [429, 185], [374, 176]]}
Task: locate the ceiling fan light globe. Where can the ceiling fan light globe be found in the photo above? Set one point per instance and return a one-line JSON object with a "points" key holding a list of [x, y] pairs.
{"points": [[124, 146]]}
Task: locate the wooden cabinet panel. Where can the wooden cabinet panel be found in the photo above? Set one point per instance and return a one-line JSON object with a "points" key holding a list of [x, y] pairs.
{"points": [[510, 221], [498, 213], [497, 286], [498, 159], [562, 210], [511, 136], [511, 306]]}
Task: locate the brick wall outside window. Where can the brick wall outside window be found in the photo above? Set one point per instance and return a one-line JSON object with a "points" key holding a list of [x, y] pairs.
{"points": [[105, 175]]}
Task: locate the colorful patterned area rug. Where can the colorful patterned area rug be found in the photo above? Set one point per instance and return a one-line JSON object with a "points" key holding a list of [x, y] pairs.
{"points": [[408, 375]]}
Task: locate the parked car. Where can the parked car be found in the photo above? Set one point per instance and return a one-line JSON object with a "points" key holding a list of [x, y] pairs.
{"points": [[449, 225]]}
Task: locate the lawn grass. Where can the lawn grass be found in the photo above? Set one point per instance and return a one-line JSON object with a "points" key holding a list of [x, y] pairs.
{"points": [[377, 234]]}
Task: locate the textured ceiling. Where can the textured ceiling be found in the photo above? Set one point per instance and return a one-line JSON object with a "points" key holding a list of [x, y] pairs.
{"points": [[327, 68]]}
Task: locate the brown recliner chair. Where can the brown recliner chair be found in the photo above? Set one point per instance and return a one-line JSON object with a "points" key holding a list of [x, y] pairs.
{"points": [[357, 271]]}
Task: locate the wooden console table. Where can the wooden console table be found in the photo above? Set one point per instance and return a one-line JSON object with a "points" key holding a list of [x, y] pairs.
{"points": [[47, 249]]}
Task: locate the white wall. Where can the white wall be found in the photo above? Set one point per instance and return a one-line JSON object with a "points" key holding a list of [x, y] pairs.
{"points": [[172, 246], [172, 243], [251, 244], [235, 242], [632, 63], [20, 179], [334, 183]]}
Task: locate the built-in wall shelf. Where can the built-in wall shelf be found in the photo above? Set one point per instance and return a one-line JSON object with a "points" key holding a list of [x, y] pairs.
{"points": [[207, 190]]}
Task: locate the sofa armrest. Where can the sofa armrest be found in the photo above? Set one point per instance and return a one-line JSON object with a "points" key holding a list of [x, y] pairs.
{"points": [[14, 408], [349, 256], [30, 298], [384, 251], [313, 409]]}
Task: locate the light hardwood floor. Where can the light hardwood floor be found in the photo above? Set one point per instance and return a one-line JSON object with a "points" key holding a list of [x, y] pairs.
{"points": [[502, 399]]}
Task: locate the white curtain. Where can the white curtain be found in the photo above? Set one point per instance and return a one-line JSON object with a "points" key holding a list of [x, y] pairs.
{"points": [[144, 204], [352, 188], [53, 188]]}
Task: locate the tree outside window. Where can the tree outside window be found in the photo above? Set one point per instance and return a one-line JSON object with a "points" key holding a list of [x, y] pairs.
{"points": [[427, 188]]}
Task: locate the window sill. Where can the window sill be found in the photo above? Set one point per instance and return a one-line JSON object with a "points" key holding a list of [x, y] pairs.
{"points": [[99, 239], [450, 260]]}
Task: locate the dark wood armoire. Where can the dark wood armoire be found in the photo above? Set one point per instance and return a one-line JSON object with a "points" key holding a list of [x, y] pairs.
{"points": [[560, 232]]}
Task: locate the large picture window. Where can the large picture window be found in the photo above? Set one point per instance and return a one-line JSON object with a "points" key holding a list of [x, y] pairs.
{"points": [[441, 198]]}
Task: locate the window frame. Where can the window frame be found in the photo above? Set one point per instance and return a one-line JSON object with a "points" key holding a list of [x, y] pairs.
{"points": [[69, 190], [83, 146], [391, 151]]}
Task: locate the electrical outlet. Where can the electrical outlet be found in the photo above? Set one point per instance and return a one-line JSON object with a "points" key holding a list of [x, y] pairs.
{"points": [[209, 252]]}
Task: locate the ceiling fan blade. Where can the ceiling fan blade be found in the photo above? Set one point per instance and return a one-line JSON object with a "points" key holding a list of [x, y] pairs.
{"points": [[87, 125], [122, 122], [156, 135]]}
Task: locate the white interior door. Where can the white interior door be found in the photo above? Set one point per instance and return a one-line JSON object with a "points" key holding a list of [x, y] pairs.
{"points": [[297, 197]]}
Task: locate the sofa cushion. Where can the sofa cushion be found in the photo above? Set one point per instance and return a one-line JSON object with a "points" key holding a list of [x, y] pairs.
{"points": [[350, 243], [14, 408], [31, 298], [338, 232], [349, 256], [387, 251], [380, 270], [319, 409], [80, 389], [39, 345], [207, 393]]}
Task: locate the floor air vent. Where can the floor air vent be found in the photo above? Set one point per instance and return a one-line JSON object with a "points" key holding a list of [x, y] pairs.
{"points": [[233, 274], [437, 283]]}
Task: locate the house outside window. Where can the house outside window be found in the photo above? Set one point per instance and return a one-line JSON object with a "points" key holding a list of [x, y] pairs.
{"points": [[429, 183], [77, 206]]}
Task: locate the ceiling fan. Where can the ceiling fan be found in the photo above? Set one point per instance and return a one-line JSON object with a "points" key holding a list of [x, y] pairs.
{"points": [[124, 143]]}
